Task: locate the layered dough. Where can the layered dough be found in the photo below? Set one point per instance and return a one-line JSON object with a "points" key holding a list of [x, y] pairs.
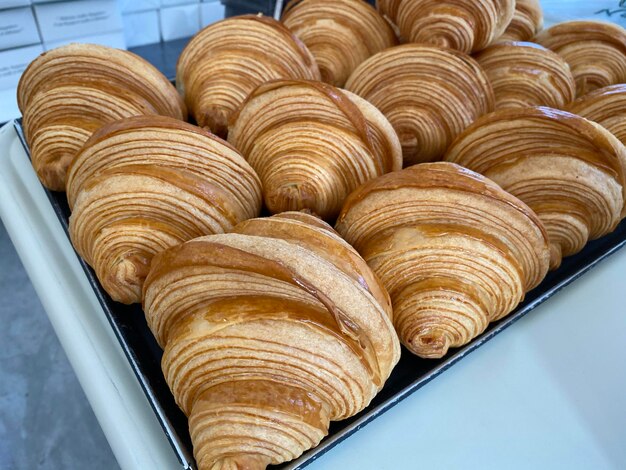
{"points": [[453, 249], [144, 184], [429, 94], [606, 106], [312, 144], [526, 23], [227, 60], [69, 92], [339, 33], [595, 51], [569, 170], [527, 74], [269, 333], [463, 25]]}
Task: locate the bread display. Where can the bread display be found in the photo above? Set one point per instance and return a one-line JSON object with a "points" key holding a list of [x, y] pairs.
{"points": [[269, 333], [227, 60], [527, 74], [312, 144], [464, 25], [339, 33], [453, 249], [526, 23], [429, 95], [67, 93], [595, 51], [569, 170], [144, 184], [606, 106]]}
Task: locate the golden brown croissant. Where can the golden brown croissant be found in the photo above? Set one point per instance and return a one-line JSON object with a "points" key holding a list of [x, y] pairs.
{"points": [[606, 106], [312, 144], [452, 248], [526, 23], [464, 25], [269, 333], [144, 184], [596, 52], [339, 33], [570, 171], [429, 95], [67, 93], [227, 60], [527, 74]]}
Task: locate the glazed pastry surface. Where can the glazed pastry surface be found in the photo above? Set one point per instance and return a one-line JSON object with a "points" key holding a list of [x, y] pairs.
{"points": [[339, 33], [227, 60], [453, 249], [67, 93], [269, 333], [312, 144], [527, 74], [569, 170], [464, 25], [595, 51], [144, 184], [429, 94]]}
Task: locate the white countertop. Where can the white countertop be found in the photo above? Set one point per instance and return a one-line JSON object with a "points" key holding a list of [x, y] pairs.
{"points": [[548, 392]]}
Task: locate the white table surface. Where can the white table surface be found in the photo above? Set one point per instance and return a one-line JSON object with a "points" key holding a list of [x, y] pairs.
{"points": [[547, 393]]}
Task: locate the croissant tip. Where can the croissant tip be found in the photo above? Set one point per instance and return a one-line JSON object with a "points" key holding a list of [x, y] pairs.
{"points": [[126, 278], [556, 256], [431, 344]]}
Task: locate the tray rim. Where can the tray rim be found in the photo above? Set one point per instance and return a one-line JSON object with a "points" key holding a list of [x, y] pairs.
{"points": [[366, 416]]}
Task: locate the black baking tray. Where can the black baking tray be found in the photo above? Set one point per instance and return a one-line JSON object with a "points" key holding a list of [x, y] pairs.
{"points": [[411, 373]]}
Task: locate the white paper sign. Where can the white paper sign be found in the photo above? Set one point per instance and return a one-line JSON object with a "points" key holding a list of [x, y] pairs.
{"points": [[557, 11], [18, 28], [58, 21]]}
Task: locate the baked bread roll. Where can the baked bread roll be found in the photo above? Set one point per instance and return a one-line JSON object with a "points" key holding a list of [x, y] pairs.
{"points": [[596, 52], [606, 106], [339, 33], [144, 184], [67, 93], [269, 333], [464, 25], [227, 60], [526, 23], [312, 144], [453, 249], [527, 74], [429, 95], [570, 171]]}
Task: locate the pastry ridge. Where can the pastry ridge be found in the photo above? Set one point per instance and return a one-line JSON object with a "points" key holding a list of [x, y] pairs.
{"points": [[453, 249], [266, 339]]}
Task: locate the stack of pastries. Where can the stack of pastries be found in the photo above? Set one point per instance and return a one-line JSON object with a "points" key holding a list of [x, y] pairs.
{"points": [[272, 327]]}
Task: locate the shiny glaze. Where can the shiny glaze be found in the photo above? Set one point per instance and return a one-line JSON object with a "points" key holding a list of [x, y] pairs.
{"points": [[260, 349]]}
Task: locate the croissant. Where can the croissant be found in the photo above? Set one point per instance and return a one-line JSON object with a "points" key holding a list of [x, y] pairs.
{"points": [[67, 93], [526, 23], [453, 249], [227, 60], [269, 333], [527, 74], [339, 33], [312, 144], [606, 106], [143, 184], [596, 52], [464, 25], [429, 95], [570, 171]]}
